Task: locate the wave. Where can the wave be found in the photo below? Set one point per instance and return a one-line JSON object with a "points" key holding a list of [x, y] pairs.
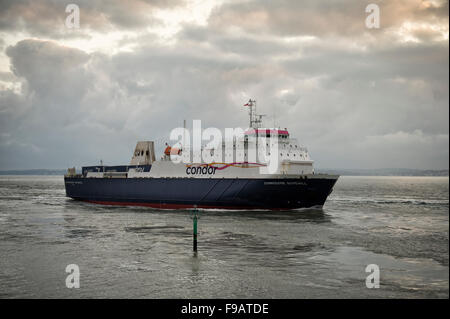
{"points": [[383, 200]]}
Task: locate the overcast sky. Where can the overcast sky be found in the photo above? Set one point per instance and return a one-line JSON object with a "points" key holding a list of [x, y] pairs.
{"points": [[355, 97]]}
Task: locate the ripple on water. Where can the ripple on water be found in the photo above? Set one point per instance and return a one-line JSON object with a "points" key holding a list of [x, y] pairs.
{"points": [[400, 224]]}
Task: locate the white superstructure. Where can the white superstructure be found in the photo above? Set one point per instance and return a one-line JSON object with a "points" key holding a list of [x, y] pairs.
{"points": [[244, 155]]}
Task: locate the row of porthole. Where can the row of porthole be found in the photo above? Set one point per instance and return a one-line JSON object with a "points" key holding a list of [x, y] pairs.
{"points": [[288, 154], [267, 144]]}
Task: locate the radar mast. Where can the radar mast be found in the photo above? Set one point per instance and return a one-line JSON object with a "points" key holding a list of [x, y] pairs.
{"points": [[255, 119]]}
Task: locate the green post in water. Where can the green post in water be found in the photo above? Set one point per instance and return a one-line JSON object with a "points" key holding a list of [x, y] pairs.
{"points": [[195, 230]]}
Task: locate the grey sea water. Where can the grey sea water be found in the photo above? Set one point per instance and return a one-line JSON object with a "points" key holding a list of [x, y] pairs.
{"points": [[400, 224]]}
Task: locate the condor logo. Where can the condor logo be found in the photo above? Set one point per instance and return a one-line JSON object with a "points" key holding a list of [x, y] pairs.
{"points": [[201, 170]]}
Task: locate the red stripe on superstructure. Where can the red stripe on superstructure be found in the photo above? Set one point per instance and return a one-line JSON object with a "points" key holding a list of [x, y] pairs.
{"points": [[267, 131]]}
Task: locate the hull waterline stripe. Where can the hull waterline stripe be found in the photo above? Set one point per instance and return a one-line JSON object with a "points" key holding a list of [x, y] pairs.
{"points": [[175, 206]]}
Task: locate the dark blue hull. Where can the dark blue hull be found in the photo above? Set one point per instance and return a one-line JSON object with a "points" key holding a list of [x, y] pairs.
{"points": [[203, 193]]}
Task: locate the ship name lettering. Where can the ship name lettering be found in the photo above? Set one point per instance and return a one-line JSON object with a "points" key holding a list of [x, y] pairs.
{"points": [[199, 170]]}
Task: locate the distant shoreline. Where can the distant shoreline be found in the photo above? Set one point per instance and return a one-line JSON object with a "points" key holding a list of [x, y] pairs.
{"points": [[385, 172], [34, 172], [343, 172]]}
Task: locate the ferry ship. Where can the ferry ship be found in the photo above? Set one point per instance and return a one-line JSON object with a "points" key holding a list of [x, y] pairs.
{"points": [[169, 183]]}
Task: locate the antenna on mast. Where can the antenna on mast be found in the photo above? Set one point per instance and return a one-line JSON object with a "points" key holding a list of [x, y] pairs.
{"points": [[255, 119], [184, 133], [274, 116]]}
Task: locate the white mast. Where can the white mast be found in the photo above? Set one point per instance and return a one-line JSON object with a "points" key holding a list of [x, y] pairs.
{"points": [[255, 119]]}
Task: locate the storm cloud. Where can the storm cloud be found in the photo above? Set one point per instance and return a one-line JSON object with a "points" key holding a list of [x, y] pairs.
{"points": [[356, 97]]}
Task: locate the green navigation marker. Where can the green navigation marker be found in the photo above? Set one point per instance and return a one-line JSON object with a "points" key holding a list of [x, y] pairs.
{"points": [[195, 219]]}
